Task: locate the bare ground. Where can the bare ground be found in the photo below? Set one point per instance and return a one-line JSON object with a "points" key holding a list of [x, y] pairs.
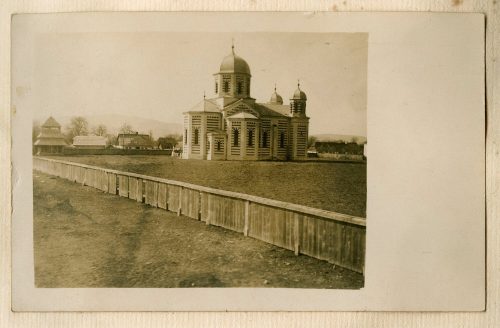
{"points": [[86, 238]]}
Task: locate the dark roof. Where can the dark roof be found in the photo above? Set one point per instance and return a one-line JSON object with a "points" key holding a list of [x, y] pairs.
{"points": [[50, 142], [132, 135], [271, 109], [51, 123]]}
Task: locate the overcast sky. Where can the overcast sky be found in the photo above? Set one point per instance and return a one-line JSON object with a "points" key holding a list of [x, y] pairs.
{"points": [[159, 75]]}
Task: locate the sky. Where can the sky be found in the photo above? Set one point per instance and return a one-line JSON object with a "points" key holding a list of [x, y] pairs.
{"points": [[159, 75]]}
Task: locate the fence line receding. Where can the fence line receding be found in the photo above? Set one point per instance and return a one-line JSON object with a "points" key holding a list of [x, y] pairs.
{"points": [[334, 237]]}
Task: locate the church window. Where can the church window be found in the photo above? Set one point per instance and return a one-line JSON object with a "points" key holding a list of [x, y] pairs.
{"points": [[196, 136], [236, 136], [185, 136], [248, 86], [239, 87], [218, 145], [216, 87], [265, 139], [282, 139], [226, 79], [250, 137]]}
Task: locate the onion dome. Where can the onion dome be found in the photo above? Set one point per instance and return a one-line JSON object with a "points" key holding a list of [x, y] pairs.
{"points": [[276, 98], [234, 64], [299, 94]]}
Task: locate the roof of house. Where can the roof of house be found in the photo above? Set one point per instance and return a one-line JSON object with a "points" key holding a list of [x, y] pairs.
{"points": [[132, 135], [138, 139], [89, 141], [51, 123], [50, 142]]}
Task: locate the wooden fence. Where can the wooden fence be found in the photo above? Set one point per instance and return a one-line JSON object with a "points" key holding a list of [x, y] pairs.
{"points": [[336, 238]]}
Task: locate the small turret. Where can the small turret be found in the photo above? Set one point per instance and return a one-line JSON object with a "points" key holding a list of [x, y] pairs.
{"points": [[298, 102], [276, 99]]}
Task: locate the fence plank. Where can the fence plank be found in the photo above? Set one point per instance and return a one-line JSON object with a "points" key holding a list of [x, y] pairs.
{"points": [[162, 195], [112, 183], [132, 188], [123, 185], [151, 194]]}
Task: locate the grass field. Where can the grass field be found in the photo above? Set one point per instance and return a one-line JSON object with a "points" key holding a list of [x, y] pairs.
{"points": [[334, 186], [87, 238]]}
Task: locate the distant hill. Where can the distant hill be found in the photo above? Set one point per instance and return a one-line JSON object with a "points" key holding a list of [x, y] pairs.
{"points": [[340, 137], [114, 122]]}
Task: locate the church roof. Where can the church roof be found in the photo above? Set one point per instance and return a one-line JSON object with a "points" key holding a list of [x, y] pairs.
{"points": [[271, 109], [51, 123], [206, 105], [243, 115], [234, 64]]}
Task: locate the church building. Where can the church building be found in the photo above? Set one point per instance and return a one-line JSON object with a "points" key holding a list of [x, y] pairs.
{"points": [[233, 126]]}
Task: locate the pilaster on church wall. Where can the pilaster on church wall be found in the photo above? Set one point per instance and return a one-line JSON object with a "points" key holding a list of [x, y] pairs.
{"points": [[203, 136], [243, 139]]}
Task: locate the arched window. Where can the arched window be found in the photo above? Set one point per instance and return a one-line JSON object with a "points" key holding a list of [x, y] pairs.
{"points": [[250, 137], [218, 145], [216, 87], [239, 87], [282, 139], [236, 137], [196, 136], [265, 139]]}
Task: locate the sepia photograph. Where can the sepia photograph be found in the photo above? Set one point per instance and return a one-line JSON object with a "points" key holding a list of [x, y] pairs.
{"points": [[219, 162], [200, 160]]}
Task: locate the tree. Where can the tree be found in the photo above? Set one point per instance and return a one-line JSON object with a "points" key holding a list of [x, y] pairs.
{"points": [[77, 127], [111, 139], [169, 141], [311, 141], [100, 130], [126, 128]]}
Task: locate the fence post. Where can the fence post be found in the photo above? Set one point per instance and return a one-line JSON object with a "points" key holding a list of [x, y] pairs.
{"points": [[179, 210], [247, 215], [209, 209], [297, 232]]}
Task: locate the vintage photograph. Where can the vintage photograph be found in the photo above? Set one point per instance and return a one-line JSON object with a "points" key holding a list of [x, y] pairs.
{"points": [[199, 159], [219, 162]]}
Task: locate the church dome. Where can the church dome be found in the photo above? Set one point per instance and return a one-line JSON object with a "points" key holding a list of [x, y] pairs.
{"points": [[276, 98], [234, 64], [299, 94]]}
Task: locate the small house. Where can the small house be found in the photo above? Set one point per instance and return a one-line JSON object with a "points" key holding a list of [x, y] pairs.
{"points": [[134, 141], [50, 140], [89, 142]]}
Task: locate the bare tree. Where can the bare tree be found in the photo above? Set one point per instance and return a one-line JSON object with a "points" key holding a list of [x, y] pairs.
{"points": [[100, 130], [126, 128], [311, 141], [77, 127]]}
